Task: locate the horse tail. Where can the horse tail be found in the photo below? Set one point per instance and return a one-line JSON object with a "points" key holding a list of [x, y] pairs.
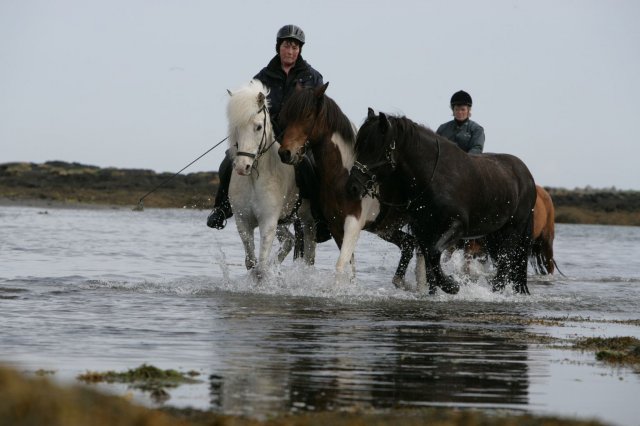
{"points": [[538, 259], [557, 269], [535, 259]]}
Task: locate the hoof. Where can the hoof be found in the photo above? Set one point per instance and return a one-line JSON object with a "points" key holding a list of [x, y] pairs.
{"points": [[257, 274], [521, 288], [400, 283], [343, 278], [496, 286], [449, 286]]}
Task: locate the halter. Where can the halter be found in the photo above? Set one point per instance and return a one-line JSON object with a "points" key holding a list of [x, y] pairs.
{"points": [[262, 148], [370, 186]]}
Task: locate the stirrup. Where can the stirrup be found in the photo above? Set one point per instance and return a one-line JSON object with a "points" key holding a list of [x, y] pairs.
{"points": [[217, 219]]}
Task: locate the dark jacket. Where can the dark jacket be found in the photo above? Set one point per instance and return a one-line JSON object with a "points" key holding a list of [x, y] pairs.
{"points": [[282, 85], [469, 135]]}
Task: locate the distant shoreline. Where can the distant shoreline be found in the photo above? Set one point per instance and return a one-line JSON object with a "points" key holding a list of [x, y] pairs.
{"points": [[54, 204], [58, 184]]}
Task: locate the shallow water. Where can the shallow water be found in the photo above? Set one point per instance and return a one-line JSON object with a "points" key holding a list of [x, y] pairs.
{"points": [[110, 289]]}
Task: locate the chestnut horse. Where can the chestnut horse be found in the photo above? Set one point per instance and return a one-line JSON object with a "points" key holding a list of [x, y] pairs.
{"points": [[450, 195], [541, 258], [312, 120]]}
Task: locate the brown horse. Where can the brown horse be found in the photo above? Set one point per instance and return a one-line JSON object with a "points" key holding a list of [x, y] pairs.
{"points": [[541, 254], [314, 121], [543, 233], [449, 194]]}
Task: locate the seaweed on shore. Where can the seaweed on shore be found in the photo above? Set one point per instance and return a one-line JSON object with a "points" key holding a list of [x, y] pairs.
{"points": [[37, 401], [146, 378], [623, 351]]}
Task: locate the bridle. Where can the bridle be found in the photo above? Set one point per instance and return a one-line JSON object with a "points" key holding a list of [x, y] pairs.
{"points": [[371, 186], [262, 146]]}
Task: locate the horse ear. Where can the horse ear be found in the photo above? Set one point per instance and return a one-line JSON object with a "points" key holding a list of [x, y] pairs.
{"points": [[370, 113], [383, 123], [319, 92], [260, 99], [229, 92]]}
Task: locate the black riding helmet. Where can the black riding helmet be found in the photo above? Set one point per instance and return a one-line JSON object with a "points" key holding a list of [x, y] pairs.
{"points": [[289, 32], [461, 98]]}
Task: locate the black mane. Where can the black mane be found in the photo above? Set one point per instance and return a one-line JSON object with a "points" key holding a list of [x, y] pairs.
{"points": [[406, 131]]}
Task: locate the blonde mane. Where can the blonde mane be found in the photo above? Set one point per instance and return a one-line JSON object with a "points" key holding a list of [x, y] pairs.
{"points": [[243, 105]]}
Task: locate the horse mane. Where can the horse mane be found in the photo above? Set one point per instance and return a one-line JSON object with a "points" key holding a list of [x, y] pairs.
{"points": [[329, 116], [412, 133], [412, 130], [243, 103]]}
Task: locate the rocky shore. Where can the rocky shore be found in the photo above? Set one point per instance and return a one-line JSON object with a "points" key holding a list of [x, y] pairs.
{"points": [[60, 184]]}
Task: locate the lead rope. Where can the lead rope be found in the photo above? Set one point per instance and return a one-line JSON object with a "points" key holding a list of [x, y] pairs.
{"points": [[140, 206]]}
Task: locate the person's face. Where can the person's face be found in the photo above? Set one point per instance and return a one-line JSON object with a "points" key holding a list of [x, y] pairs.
{"points": [[461, 112], [289, 51]]}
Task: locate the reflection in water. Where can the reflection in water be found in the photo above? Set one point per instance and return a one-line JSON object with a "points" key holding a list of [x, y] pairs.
{"points": [[320, 360]]}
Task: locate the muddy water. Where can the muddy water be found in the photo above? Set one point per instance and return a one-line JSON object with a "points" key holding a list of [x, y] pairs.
{"points": [[100, 289]]}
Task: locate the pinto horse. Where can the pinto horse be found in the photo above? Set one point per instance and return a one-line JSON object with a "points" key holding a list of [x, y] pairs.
{"points": [[450, 195], [314, 121], [262, 191]]}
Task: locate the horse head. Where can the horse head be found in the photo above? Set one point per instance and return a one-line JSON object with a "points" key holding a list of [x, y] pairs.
{"points": [[299, 117], [250, 133], [375, 155]]}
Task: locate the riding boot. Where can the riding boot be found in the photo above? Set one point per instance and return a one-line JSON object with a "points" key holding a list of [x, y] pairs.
{"points": [[221, 207], [308, 183]]}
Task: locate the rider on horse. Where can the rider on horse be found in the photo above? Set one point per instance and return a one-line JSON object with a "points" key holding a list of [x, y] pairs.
{"points": [[285, 70], [467, 134]]}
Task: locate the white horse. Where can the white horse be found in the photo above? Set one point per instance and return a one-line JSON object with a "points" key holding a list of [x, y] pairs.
{"points": [[263, 191]]}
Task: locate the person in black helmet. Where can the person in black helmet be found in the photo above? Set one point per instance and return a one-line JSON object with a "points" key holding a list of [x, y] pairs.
{"points": [[285, 70], [467, 134]]}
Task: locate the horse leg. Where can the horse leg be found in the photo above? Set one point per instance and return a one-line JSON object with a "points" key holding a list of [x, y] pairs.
{"points": [[520, 252], [406, 243], [308, 227], [546, 247], [421, 271], [347, 244], [267, 235], [517, 266], [246, 235], [435, 276], [512, 261], [286, 242], [298, 248]]}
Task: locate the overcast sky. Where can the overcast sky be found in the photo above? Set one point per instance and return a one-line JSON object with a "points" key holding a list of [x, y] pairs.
{"points": [[142, 84]]}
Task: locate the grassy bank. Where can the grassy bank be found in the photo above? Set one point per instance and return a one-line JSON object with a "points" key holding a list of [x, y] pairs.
{"points": [[72, 184]]}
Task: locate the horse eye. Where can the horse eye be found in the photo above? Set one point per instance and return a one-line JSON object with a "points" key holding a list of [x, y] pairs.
{"points": [[259, 127]]}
